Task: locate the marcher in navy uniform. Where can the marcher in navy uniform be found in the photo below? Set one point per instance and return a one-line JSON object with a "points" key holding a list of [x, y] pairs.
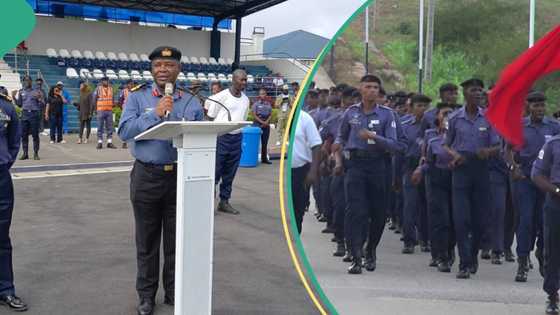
{"points": [[546, 175], [153, 181], [10, 138], [31, 101], [438, 187], [414, 212], [448, 94], [471, 141], [262, 112], [367, 131], [537, 129]]}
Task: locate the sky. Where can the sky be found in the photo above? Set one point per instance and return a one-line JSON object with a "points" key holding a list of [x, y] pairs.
{"points": [[321, 17]]}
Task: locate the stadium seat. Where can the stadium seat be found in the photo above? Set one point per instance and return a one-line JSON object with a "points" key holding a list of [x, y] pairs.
{"points": [[111, 74], [71, 73], [229, 61], [185, 59], [144, 57], [100, 55], [212, 77], [181, 77], [112, 56], [222, 78], [123, 56], [222, 61], [51, 53], [201, 77], [230, 77], [135, 75], [123, 75], [64, 53], [133, 57], [76, 54], [147, 75], [191, 77], [98, 74], [250, 79], [88, 54], [85, 74]]}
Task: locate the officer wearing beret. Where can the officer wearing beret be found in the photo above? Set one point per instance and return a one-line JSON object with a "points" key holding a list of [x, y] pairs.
{"points": [[537, 129], [32, 102], [471, 141], [10, 139], [153, 179]]}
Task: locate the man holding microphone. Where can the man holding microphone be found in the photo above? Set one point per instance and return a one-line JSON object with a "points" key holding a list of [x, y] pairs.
{"points": [[153, 181]]}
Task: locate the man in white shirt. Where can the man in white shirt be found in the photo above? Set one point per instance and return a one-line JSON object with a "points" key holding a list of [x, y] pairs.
{"points": [[228, 152], [305, 164]]}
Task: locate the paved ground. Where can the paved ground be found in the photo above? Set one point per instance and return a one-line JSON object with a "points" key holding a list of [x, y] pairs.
{"points": [[406, 285], [74, 251]]}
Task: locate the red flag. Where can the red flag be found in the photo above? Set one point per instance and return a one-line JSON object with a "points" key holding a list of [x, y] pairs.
{"points": [[507, 98]]}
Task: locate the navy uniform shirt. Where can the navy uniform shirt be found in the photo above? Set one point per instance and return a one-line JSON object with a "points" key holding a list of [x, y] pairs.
{"points": [[429, 118], [381, 120], [547, 163], [436, 155], [139, 115], [469, 136], [320, 114], [30, 99], [263, 109], [329, 127], [535, 134], [412, 129], [10, 136]]}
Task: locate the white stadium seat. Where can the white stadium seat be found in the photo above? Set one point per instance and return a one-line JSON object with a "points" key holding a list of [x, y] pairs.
{"points": [[212, 61], [147, 75], [194, 60], [181, 77], [71, 73], [144, 57], [64, 53], [133, 57], [222, 61], [230, 77], [88, 54], [76, 54], [112, 56], [250, 78], [212, 77], [135, 75], [100, 55], [229, 61], [222, 78], [123, 75], [111, 74], [201, 77], [98, 74], [203, 60], [185, 59], [191, 76], [85, 74], [51, 53], [123, 56]]}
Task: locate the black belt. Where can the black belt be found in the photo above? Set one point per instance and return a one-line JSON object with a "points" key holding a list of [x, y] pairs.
{"points": [[365, 155], [160, 167]]}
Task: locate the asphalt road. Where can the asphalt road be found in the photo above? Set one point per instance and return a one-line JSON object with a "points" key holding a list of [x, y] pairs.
{"points": [[74, 247]]}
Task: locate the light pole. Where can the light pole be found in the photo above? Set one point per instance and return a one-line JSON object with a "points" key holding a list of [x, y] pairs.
{"points": [[366, 41], [420, 44], [531, 22]]}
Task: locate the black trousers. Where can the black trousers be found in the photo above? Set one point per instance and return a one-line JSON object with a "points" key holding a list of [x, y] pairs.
{"points": [[30, 126], [6, 210], [300, 193], [87, 125], [153, 194], [264, 143], [551, 245]]}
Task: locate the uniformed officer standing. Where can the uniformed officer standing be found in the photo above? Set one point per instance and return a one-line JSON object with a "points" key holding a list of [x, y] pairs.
{"points": [[262, 112], [10, 138], [448, 94], [153, 181], [31, 101], [546, 175], [367, 131], [537, 129], [471, 141]]}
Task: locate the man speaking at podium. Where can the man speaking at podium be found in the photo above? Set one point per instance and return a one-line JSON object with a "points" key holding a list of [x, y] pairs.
{"points": [[153, 180]]}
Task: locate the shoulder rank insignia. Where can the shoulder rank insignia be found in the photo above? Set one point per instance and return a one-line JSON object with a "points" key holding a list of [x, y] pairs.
{"points": [[138, 87]]}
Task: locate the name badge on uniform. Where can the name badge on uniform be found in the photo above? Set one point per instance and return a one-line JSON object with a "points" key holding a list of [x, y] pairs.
{"points": [[148, 109], [541, 154], [482, 128]]}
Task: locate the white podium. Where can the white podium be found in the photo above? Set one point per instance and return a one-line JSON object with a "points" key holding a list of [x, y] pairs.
{"points": [[196, 147]]}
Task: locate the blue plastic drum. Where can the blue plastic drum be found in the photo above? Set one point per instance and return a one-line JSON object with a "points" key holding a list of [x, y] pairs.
{"points": [[250, 146]]}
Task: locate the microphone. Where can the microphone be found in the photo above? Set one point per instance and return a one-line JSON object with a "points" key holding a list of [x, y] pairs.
{"points": [[168, 92], [221, 105]]}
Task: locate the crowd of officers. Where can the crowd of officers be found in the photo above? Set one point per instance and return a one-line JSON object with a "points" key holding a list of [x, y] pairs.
{"points": [[438, 175]]}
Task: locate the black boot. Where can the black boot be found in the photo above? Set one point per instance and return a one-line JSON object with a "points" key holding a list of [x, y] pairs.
{"points": [[463, 273], [371, 261], [433, 262], [552, 305], [24, 156], [509, 256], [443, 266], [340, 249], [522, 269], [496, 258], [485, 254], [347, 257], [408, 249], [356, 266], [36, 156]]}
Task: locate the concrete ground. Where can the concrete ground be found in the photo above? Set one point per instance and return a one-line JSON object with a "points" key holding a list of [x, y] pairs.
{"points": [[73, 239], [405, 284]]}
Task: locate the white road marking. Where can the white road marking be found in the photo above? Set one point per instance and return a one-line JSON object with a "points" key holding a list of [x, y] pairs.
{"points": [[61, 173]]}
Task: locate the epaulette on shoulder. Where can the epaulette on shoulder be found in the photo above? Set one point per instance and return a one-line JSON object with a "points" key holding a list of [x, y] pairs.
{"points": [[454, 113], [554, 138], [386, 108], [138, 87], [407, 120], [6, 97]]}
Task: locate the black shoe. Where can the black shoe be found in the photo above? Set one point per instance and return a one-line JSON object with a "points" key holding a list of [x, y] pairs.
{"points": [[322, 218], [463, 274], [425, 249], [371, 264], [408, 249], [474, 268], [398, 230], [13, 302], [225, 207], [266, 162], [169, 300], [485, 254], [433, 262], [340, 250], [111, 145], [552, 305], [124, 145], [328, 230], [522, 271], [99, 146], [347, 257], [146, 307], [356, 267], [335, 240], [24, 156], [509, 256], [36, 156], [496, 259], [392, 226], [443, 266]]}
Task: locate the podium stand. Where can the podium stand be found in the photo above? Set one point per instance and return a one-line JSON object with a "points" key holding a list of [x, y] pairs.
{"points": [[196, 155]]}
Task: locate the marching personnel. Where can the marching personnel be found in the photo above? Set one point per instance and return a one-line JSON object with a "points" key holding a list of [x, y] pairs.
{"points": [[471, 141], [10, 138], [262, 112], [537, 129], [448, 95], [546, 175], [367, 131], [153, 180], [32, 102]]}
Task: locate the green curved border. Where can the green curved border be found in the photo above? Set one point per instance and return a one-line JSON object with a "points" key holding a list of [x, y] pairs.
{"points": [[318, 62]]}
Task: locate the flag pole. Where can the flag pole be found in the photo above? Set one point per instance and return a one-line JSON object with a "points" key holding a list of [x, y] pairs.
{"points": [[420, 44], [531, 23]]}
